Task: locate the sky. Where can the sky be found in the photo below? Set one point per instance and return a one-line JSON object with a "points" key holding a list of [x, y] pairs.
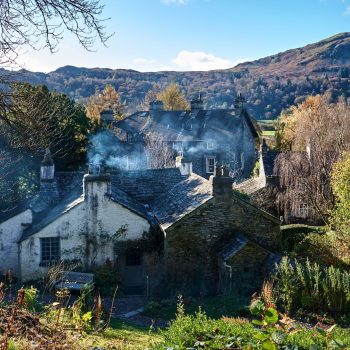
{"points": [[182, 35]]}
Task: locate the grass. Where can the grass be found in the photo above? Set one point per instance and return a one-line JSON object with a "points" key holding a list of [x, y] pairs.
{"points": [[268, 133], [214, 307], [121, 335]]}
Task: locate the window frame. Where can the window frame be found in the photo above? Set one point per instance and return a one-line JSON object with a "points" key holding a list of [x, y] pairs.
{"points": [[208, 165], [210, 144], [302, 210], [50, 243]]}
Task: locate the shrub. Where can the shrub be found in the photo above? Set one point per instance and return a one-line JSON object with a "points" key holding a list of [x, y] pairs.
{"points": [[106, 279], [312, 287]]}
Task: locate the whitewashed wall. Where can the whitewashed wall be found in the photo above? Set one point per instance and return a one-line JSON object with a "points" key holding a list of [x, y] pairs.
{"points": [[94, 216], [10, 232]]}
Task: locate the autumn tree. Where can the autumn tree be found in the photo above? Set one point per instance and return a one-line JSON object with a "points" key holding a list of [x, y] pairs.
{"points": [[107, 98], [150, 96], [173, 98]]}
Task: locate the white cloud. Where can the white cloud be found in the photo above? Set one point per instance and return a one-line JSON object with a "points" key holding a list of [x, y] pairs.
{"points": [[175, 2], [139, 60], [347, 11], [199, 60]]}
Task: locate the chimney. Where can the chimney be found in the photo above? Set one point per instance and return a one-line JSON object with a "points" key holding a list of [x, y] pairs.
{"points": [[197, 103], [239, 104], [107, 117], [184, 165], [222, 183], [96, 185], [48, 184], [156, 105]]}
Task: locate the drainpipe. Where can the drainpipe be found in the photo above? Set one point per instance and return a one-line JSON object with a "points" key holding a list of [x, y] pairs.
{"points": [[230, 274]]}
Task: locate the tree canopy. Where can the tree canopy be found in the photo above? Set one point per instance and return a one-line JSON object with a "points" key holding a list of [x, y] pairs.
{"points": [[107, 98], [173, 98], [340, 214]]}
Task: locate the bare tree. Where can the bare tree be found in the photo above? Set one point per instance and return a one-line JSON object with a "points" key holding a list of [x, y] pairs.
{"points": [[41, 23], [158, 152], [321, 134]]}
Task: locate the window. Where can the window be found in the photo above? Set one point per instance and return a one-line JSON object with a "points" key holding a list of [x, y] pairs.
{"points": [[210, 144], [131, 163], [242, 160], [133, 257], [50, 250], [129, 137], [302, 210], [210, 165]]}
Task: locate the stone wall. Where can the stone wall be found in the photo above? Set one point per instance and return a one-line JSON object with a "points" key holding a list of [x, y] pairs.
{"points": [[193, 244]]}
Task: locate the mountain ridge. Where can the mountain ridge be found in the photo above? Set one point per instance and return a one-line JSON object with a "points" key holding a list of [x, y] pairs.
{"points": [[270, 84]]}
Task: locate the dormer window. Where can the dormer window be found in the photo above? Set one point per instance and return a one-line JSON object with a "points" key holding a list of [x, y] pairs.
{"points": [[129, 137], [210, 144]]}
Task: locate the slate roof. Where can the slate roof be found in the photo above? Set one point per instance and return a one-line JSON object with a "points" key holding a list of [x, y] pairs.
{"points": [[234, 247], [66, 182], [184, 125], [182, 199], [46, 218], [125, 200], [249, 186], [145, 186]]}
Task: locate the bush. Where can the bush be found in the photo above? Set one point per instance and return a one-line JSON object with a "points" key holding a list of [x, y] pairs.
{"points": [[270, 331], [312, 287], [106, 279]]}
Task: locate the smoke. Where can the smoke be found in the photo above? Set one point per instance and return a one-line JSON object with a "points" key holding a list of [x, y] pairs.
{"points": [[105, 149]]}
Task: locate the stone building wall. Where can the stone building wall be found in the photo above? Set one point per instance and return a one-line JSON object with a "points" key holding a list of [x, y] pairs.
{"points": [[193, 244]]}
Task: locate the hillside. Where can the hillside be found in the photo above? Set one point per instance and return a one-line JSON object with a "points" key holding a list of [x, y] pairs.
{"points": [[270, 84]]}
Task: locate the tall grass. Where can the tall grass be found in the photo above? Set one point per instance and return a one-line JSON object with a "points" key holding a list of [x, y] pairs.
{"points": [[312, 287]]}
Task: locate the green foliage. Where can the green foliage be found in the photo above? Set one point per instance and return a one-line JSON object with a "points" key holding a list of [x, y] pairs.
{"points": [[256, 169], [340, 215], [312, 287], [107, 279], [215, 307], [270, 331], [31, 298]]}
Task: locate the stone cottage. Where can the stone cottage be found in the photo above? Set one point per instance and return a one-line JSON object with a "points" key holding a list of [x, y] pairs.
{"points": [[166, 230], [207, 137]]}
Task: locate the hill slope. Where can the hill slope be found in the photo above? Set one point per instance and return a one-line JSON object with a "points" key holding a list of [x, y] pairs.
{"points": [[270, 84]]}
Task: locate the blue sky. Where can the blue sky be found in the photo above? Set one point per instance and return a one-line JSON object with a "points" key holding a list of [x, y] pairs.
{"points": [[152, 35]]}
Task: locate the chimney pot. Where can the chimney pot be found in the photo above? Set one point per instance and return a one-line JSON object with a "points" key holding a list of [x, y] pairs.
{"points": [[156, 105], [107, 117], [184, 165]]}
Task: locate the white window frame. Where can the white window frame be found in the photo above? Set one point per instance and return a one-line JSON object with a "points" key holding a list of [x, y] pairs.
{"points": [[208, 165], [210, 144], [302, 210], [131, 163]]}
